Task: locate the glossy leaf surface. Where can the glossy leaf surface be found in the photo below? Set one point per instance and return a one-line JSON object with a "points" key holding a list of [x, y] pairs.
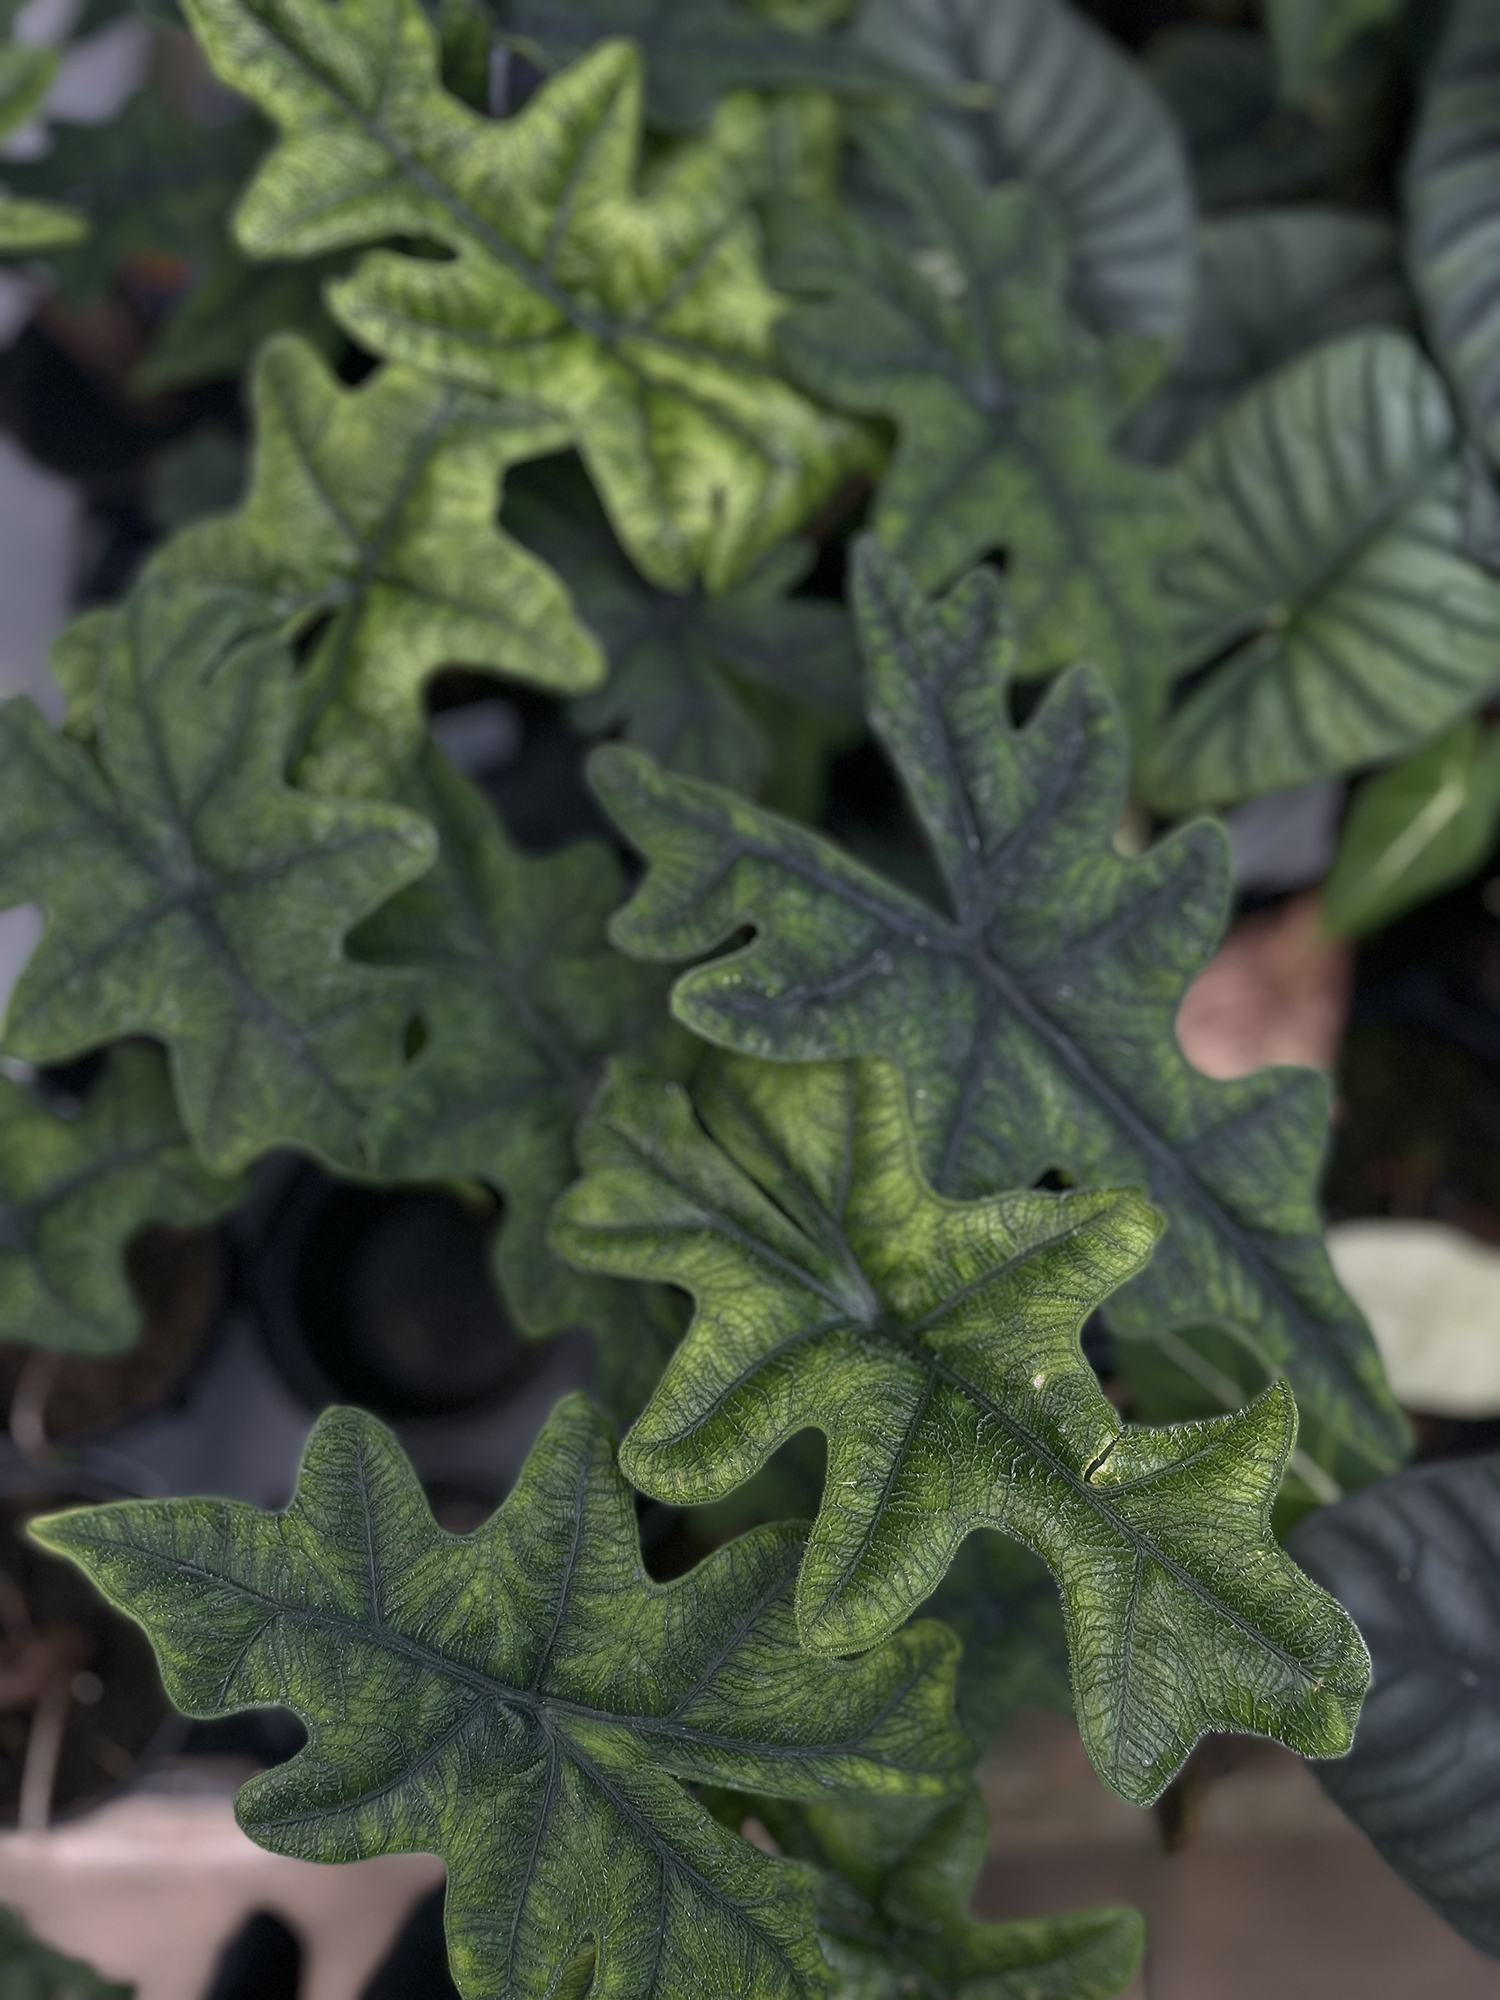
{"points": [[641, 317], [192, 896], [1417, 1561], [935, 1343], [525, 1702], [73, 1191], [1331, 584], [1003, 408], [1034, 1017], [375, 508]]}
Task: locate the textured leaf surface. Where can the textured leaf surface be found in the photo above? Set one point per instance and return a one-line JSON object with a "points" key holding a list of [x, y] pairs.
{"points": [[1035, 1018], [31, 1970], [893, 1910], [524, 1701], [522, 999], [1003, 409], [1069, 110], [1450, 178], [1416, 830], [643, 318], [1272, 283], [73, 1191], [674, 661], [1330, 582], [375, 508], [935, 1344], [1417, 1561], [192, 896]]}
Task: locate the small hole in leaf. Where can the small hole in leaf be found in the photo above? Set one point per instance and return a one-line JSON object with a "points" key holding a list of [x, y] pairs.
{"points": [[1056, 1180]]}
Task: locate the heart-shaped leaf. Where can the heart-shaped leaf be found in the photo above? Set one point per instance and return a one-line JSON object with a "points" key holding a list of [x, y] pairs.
{"points": [[525, 1702], [1034, 1016]]}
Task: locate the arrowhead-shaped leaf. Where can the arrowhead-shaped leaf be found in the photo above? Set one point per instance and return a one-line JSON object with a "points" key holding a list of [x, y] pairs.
{"points": [[1056, 101], [31, 1970], [525, 1702], [674, 661], [1417, 1561], [1330, 583], [642, 318], [73, 1191], [893, 1910], [935, 1343], [192, 896], [1003, 405], [1034, 1017], [377, 505]]}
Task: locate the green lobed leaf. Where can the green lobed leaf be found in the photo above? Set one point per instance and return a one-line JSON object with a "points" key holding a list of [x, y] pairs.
{"points": [[1330, 583], [1415, 830], [935, 1344], [192, 896], [895, 1884], [525, 1702], [676, 663], [642, 318], [375, 509], [1035, 1017], [1309, 35], [1417, 1560], [1003, 406], [73, 1191], [31, 1970], [1059, 103], [696, 51]]}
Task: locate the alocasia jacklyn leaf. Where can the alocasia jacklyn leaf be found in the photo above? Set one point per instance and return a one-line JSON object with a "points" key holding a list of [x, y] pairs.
{"points": [[377, 505], [1035, 1017], [1057, 101], [641, 317], [893, 1896], [525, 1702], [935, 1344], [192, 896], [1003, 406], [674, 659], [1417, 1560], [26, 75], [1329, 582], [73, 1191], [31, 1970]]}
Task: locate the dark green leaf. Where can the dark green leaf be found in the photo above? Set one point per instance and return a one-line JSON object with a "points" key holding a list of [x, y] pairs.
{"points": [[1003, 406], [31, 1970], [1246, 144], [1330, 581], [524, 1701], [1309, 35], [193, 897], [375, 508], [674, 661], [73, 1191], [935, 1344], [1416, 830], [642, 318], [1060, 103], [1036, 1020], [1417, 1561]]}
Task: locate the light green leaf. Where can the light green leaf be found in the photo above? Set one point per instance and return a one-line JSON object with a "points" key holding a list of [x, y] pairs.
{"points": [[893, 1910], [31, 1970], [1035, 1021], [525, 1702], [73, 1191], [1058, 102], [77, 661], [1272, 282], [935, 1343], [26, 75], [1309, 35], [675, 661], [192, 896], [1415, 830], [375, 508], [1449, 184], [1330, 583], [643, 318], [1003, 407], [37, 225]]}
